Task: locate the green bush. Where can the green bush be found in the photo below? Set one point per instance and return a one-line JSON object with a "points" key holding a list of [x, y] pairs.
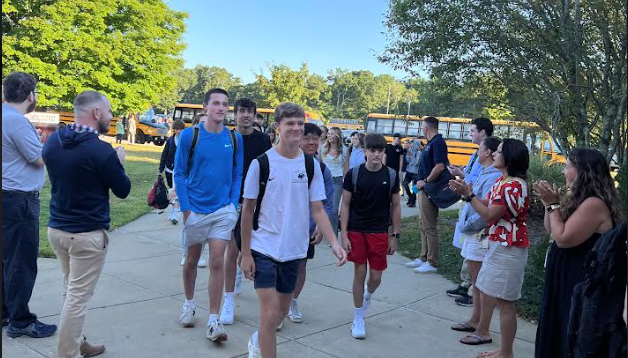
{"points": [[542, 170]]}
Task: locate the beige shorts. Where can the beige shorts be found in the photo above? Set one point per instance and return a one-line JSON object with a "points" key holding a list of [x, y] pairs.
{"points": [[200, 228]]}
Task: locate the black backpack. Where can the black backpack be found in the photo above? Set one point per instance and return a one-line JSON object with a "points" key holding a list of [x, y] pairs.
{"points": [[264, 174], [596, 328], [158, 195], [197, 129]]}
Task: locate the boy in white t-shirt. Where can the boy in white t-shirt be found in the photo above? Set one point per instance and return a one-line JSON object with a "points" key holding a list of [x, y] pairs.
{"points": [[271, 253]]}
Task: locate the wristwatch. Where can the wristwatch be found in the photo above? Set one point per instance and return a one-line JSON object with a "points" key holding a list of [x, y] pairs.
{"points": [[395, 235], [552, 207], [468, 198]]}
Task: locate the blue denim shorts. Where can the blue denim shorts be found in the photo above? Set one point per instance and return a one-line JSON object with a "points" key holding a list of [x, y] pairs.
{"points": [[270, 273]]}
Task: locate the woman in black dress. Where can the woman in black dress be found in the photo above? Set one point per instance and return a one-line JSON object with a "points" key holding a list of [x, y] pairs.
{"points": [[590, 208]]}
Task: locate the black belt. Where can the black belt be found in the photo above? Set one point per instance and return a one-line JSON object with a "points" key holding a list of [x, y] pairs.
{"points": [[34, 194]]}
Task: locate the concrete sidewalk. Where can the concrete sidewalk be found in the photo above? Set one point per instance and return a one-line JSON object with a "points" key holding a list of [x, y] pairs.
{"points": [[135, 308]]}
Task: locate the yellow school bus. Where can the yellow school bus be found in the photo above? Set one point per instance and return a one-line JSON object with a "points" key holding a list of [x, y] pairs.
{"points": [[346, 124], [455, 131], [187, 111]]}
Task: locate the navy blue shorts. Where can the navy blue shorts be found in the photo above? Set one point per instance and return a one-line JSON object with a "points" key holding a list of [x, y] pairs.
{"points": [[270, 273]]}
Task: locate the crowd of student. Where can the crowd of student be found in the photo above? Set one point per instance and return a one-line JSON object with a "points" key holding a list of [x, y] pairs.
{"points": [[272, 200]]}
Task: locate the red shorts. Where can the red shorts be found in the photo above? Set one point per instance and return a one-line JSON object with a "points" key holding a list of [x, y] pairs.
{"points": [[371, 247]]}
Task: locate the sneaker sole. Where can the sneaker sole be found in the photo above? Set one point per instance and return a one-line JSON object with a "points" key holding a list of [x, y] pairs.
{"points": [[465, 304], [228, 323], [295, 320], [187, 325], [454, 295], [220, 338], [16, 335], [358, 337]]}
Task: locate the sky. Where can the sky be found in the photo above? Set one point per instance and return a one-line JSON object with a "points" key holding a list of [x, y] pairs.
{"points": [[245, 36]]}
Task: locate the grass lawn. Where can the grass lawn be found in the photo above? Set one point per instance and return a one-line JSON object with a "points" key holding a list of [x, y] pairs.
{"points": [[142, 164], [528, 306]]}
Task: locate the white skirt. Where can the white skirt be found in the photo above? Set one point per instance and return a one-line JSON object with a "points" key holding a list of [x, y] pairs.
{"points": [[472, 248], [502, 272]]}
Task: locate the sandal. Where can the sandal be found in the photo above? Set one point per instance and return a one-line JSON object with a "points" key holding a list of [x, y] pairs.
{"points": [[463, 327], [477, 340]]}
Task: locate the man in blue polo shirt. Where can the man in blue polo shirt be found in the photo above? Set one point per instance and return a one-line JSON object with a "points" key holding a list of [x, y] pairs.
{"points": [[208, 194], [481, 128], [433, 163]]}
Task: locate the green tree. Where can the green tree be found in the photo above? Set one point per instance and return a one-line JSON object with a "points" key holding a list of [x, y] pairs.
{"points": [[208, 77], [124, 49], [185, 79], [561, 63]]}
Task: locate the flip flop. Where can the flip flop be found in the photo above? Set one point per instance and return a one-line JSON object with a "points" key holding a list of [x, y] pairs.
{"points": [[477, 340], [463, 327]]}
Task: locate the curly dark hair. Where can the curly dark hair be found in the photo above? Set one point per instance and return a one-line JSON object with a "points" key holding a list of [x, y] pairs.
{"points": [[593, 180]]}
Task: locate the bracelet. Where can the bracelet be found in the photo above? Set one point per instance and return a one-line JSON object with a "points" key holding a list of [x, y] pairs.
{"points": [[468, 198]]}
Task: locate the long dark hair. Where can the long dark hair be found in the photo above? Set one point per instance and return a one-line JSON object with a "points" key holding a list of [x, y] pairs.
{"points": [[593, 180], [516, 158]]}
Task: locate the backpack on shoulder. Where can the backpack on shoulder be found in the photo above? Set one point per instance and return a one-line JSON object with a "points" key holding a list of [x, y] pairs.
{"points": [[158, 194], [596, 328], [264, 174], [197, 129], [355, 172]]}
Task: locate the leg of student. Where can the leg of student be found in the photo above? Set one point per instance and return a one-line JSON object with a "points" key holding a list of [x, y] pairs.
{"points": [[474, 269], [465, 276], [337, 197], [359, 277], [300, 279], [273, 309], [375, 279], [429, 221], [231, 260], [507, 326], [216, 274], [193, 253], [422, 222]]}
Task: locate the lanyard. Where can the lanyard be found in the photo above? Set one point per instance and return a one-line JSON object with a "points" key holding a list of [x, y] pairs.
{"points": [[470, 166]]}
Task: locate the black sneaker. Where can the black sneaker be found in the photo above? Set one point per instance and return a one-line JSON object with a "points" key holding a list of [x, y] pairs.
{"points": [[458, 292], [5, 322], [465, 300], [34, 330]]}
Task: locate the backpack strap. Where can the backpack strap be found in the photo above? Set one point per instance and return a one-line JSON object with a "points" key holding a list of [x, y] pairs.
{"points": [[264, 174], [234, 145], [309, 168], [193, 145]]}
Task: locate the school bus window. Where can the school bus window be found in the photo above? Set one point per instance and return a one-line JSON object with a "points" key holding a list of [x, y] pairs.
{"points": [[516, 132], [371, 125], [384, 126], [455, 130], [400, 127], [466, 128], [501, 131], [442, 129], [414, 128]]}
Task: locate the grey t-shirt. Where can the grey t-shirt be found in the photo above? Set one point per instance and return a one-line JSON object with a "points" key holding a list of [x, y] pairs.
{"points": [[21, 147]]}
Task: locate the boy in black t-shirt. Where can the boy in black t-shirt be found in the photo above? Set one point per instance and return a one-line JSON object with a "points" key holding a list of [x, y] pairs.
{"points": [[368, 200], [255, 143]]}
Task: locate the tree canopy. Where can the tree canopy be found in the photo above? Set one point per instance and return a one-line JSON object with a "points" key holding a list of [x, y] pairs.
{"points": [[128, 50], [561, 64]]}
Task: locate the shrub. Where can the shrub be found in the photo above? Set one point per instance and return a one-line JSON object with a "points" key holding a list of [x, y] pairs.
{"points": [[542, 170]]}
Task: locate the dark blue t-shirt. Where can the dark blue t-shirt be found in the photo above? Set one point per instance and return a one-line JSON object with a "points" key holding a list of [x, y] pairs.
{"points": [[435, 152]]}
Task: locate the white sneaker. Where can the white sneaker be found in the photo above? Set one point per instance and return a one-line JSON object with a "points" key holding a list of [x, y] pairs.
{"points": [[187, 315], [294, 314], [183, 261], [202, 262], [425, 268], [416, 263], [280, 326], [254, 351], [358, 329], [227, 312], [216, 332], [238, 282]]}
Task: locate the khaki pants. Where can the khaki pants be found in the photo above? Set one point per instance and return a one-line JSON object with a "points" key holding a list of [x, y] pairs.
{"points": [[429, 229], [81, 257]]}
